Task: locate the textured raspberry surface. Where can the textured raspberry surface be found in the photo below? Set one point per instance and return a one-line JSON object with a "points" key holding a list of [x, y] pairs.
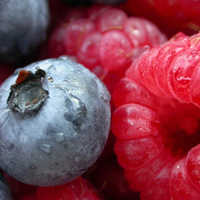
{"points": [[155, 91], [157, 120], [79, 189], [169, 16], [102, 36]]}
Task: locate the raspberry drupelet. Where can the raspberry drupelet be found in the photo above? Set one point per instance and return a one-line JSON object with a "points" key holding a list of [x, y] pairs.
{"points": [[157, 121], [170, 16]]}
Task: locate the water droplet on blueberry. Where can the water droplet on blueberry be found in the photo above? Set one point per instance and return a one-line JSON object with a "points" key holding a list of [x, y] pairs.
{"points": [[50, 78], [46, 148], [59, 137]]}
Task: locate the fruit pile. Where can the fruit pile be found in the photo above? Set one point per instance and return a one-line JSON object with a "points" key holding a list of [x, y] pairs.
{"points": [[99, 100]]}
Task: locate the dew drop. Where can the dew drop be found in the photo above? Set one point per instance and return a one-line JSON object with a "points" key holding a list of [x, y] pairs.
{"points": [[183, 80], [59, 137], [103, 98], [63, 58], [194, 53], [46, 148]]}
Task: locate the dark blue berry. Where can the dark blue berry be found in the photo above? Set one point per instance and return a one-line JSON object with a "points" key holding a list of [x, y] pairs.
{"points": [[54, 122], [23, 26]]}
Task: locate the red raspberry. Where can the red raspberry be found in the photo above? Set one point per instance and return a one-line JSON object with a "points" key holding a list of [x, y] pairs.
{"points": [[167, 70], [170, 16], [157, 121], [103, 36], [181, 186], [78, 189]]}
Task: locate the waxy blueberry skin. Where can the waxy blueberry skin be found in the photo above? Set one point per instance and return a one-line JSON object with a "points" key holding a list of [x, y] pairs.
{"points": [[61, 131], [5, 193], [23, 26]]}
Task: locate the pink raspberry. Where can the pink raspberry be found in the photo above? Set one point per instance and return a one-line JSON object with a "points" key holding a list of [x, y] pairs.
{"points": [[157, 120], [103, 36], [77, 189]]}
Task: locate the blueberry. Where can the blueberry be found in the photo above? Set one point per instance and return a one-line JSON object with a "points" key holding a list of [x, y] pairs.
{"points": [[54, 122], [23, 27], [5, 193]]}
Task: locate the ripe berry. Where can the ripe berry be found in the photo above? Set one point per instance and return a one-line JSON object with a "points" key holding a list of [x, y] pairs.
{"points": [[54, 122], [23, 27], [156, 121], [101, 33], [170, 16], [77, 189]]}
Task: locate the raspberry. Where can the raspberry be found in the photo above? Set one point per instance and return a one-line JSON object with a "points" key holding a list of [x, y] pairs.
{"points": [[166, 70], [156, 120], [78, 189], [181, 186], [133, 92], [170, 16], [102, 33], [115, 45], [133, 121], [165, 56]]}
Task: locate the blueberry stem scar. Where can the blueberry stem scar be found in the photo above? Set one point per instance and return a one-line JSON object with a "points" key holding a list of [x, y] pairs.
{"points": [[27, 95]]}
